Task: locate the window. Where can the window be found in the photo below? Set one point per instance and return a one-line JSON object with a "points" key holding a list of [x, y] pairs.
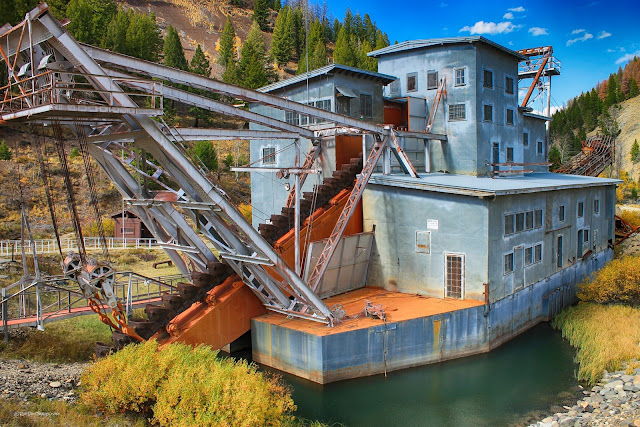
{"points": [[412, 82], [596, 207], [540, 152], [508, 85], [509, 116], [460, 78], [291, 118], [559, 254], [580, 209], [454, 276], [269, 156], [488, 113], [537, 253], [366, 105], [457, 112], [561, 214], [508, 224], [304, 120], [344, 105], [509, 154], [538, 218], [525, 139], [325, 104], [519, 222], [488, 79], [432, 79], [528, 255], [508, 263], [586, 235], [528, 220]]}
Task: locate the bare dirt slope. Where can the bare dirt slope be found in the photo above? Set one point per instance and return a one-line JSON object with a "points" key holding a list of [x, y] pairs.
{"points": [[628, 118]]}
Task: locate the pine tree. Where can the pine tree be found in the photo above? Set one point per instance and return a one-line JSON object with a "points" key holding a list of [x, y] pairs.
{"points": [[254, 69], [370, 30], [612, 91], [199, 63], [228, 161], [344, 53], [207, 154], [633, 88], [227, 44], [281, 40], [143, 39], [276, 5], [173, 52], [89, 18], [115, 38], [347, 22], [5, 152], [555, 157], [635, 152], [260, 13], [366, 62]]}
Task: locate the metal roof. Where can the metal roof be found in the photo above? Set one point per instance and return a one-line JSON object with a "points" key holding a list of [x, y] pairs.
{"points": [[488, 187], [420, 44], [328, 69]]}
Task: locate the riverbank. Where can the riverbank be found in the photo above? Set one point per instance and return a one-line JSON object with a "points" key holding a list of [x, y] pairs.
{"points": [[614, 401]]}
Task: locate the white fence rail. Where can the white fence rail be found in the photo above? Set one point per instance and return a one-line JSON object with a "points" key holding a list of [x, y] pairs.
{"points": [[49, 246]]}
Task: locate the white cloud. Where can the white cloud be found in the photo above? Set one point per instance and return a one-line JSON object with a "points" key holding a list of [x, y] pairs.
{"points": [[538, 31], [516, 9], [628, 57], [603, 35], [584, 38], [445, 28], [508, 15], [482, 27], [582, 30], [443, 4]]}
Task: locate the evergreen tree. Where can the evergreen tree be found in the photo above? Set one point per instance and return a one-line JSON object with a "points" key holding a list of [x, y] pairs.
{"points": [[347, 22], [555, 157], [228, 161], [281, 42], [335, 30], [358, 27], [230, 74], [344, 53], [5, 152], [370, 30], [237, 3], [276, 5], [89, 18], [173, 52], [366, 62], [298, 32], [199, 63], [227, 44], [635, 152], [254, 67], [612, 92], [207, 154], [260, 13], [143, 38], [115, 38], [633, 88]]}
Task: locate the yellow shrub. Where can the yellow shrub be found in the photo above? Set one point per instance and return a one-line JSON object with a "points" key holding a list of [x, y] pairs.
{"points": [[631, 216], [246, 210], [606, 336], [186, 386], [618, 281]]}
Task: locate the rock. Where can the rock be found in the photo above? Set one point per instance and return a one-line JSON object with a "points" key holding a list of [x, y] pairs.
{"points": [[613, 384], [21, 366], [548, 420], [55, 384], [636, 423], [626, 378], [636, 380]]}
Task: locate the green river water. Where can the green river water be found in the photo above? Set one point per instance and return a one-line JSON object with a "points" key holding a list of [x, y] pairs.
{"points": [[523, 380]]}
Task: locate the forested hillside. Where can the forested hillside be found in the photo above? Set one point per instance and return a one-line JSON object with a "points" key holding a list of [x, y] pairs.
{"points": [[595, 110]]}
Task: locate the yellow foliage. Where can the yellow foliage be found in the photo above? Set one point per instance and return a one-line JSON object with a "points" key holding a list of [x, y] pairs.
{"points": [[185, 386], [92, 230], [618, 281], [606, 337], [246, 210], [631, 216]]}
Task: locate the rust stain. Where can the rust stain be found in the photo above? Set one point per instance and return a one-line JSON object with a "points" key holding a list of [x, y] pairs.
{"points": [[436, 336]]}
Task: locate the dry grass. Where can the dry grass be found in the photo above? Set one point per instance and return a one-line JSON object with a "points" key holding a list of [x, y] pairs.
{"points": [[606, 337], [632, 216], [618, 281], [46, 413], [68, 340]]}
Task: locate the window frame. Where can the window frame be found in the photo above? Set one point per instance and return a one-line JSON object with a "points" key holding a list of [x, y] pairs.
{"points": [[506, 86], [596, 206], [537, 259], [525, 141], [513, 224], [528, 215], [539, 148], [413, 75], [267, 156], [457, 119], [513, 117], [462, 274], [362, 112], [429, 74], [489, 108], [519, 218], [464, 76], [484, 78], [528, 260], [509, 158], [561, 210], [538, 213], [511, 266], [580, 210]]}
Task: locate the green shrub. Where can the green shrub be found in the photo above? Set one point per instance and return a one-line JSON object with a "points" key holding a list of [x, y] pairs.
{"points": [[74, 153], [181, 386], [618, 281], [5, 152]]}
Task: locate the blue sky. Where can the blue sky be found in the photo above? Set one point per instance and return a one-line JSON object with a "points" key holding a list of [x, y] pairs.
{"points": [[591, 38]]}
